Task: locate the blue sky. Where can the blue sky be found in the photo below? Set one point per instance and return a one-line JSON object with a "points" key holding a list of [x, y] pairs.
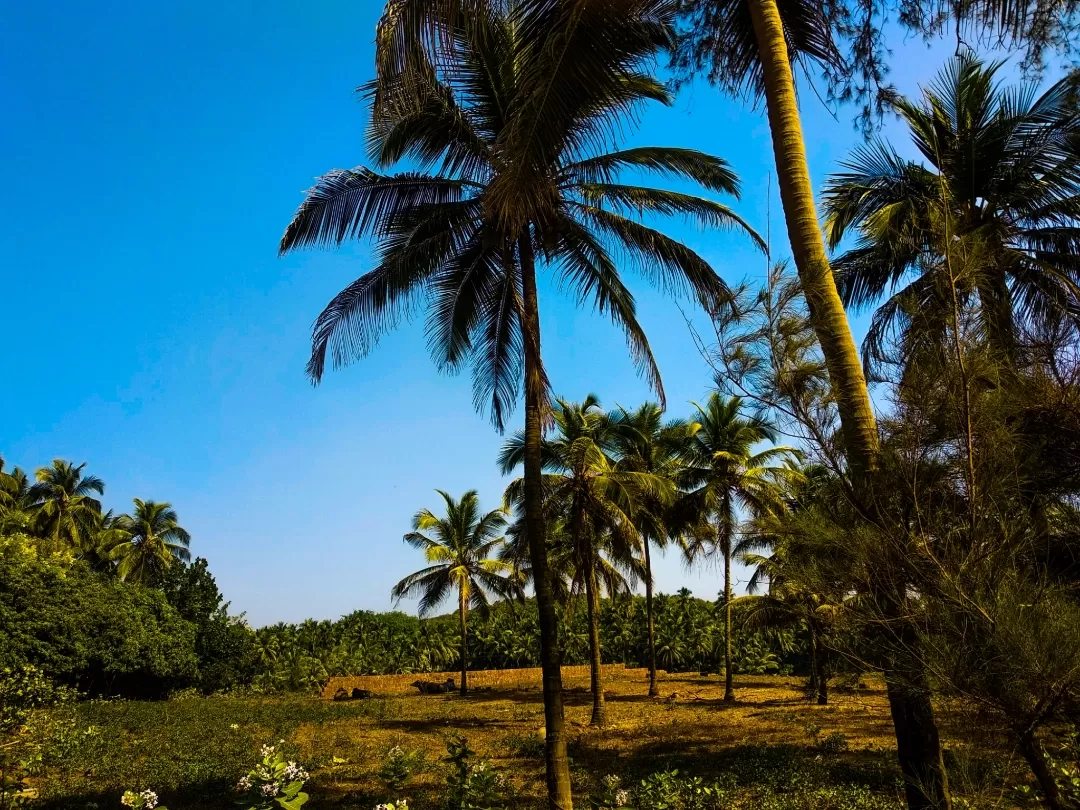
{"points": [[154, 153]]}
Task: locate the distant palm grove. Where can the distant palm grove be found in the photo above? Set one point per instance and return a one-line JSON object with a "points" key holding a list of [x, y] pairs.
{"points": [[908, 510]]}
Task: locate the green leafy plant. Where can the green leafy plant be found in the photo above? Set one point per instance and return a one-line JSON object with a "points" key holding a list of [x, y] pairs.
{"points": [[273, 783], [610, 794], [141, 800], [667, 790], [470, 783], [399, 766]]}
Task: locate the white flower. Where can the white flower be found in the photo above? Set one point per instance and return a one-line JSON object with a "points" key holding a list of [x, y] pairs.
{"points": [[129, 798], [244, 783], [149, 799], [270, 789], [611, 781], [294, 771], [622, 797], [267, 750]]}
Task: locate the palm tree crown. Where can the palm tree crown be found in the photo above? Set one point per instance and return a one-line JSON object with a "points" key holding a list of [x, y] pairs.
{"points": [[1002, 173], [152, 539], [64, 505], [451, 233]]}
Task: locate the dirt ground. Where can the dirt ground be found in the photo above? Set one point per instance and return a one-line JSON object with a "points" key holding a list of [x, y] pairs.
{"points": [[689, 726]]}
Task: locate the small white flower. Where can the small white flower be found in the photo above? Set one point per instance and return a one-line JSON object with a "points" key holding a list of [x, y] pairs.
{"points": [[149, 799], [129, 799], [611, 781], [270, 789], [622, 797], [294, 772], [235, 726], [244, 783], [267, 750]]}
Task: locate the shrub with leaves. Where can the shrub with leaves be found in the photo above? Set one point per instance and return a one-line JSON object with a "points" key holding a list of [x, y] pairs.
{"points": [[273, 783], [470, 783], [610, 794], [399, 766], [141, 800]]}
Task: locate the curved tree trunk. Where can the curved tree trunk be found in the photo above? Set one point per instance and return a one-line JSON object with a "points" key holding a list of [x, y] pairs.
{"points": [[557, 764], [1033, 752], [918, 746], [462, 611], [827, 314], [729, 679], [596, 677], [654, 690]]}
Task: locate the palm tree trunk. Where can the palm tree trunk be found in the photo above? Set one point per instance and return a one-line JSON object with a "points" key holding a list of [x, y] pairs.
{"points": [[827, 314], [729, 680], [592, 596], [918, 745], [557, 764], [462, 608], [654, 690]]}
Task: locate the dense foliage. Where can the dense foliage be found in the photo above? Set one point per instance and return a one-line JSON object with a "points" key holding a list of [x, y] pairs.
{"points": [[690, 638]]}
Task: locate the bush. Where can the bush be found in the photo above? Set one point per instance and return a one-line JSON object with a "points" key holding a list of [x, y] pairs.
{"points": [[88, 631]]}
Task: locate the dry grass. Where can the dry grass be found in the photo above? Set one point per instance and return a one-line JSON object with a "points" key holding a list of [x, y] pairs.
{"points": [[689, 726]]}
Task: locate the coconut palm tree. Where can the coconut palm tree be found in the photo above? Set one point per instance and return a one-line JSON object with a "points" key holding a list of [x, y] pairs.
{"points": [[725, 475], [751, 48], [596, 501], [63, 506], [646, 443], [505, 110], [1003, 171], [153, 541], [462, 549]]}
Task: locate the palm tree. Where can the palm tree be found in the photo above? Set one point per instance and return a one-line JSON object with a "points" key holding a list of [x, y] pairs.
{"points": [[504, 109], [461, 548], [725, 476], [647, 444], [1003, 172], [63, 505], [154, 539], [751, 48], [595, 500]]}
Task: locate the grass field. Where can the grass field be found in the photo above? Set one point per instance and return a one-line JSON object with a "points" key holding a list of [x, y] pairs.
{"points": [[771, 749]]}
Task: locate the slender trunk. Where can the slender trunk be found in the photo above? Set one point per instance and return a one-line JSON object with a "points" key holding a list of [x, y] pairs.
{"points": [[592, 596], [814, 671], [462, 611], [1033, 752], [827, 314], [918, 748], [654, 690], [823, 680], [557, 764], [729, 685]]}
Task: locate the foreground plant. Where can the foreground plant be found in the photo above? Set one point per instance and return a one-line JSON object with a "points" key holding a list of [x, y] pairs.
{"points": [[143, 800], [273, 783]]}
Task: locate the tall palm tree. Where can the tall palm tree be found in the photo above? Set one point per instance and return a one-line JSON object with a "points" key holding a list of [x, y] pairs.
{"points": [[596, 501], [153, 540], [64, 507], [725, 475], [1003, 171], [504, 109], [752, 47], [648, 444], [462, 549]]}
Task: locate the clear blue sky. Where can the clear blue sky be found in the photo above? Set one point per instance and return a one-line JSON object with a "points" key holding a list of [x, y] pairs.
{"points": [[153, 154]]}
